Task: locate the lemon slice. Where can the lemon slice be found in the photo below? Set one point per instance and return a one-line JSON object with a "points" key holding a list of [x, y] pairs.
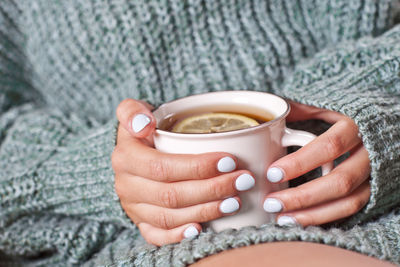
{"points": [[214, 123]]}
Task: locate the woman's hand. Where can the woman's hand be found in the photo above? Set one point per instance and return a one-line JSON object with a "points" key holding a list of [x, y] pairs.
{"points": [[168, 195], [339, 194]]}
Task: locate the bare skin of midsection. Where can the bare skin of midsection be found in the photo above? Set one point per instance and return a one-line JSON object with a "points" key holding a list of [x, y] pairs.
{"points": [[288, 254]]}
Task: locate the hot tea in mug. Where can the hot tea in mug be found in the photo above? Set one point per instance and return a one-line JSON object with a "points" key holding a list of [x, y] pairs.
{"points": [[256, 145], [215, 119]]}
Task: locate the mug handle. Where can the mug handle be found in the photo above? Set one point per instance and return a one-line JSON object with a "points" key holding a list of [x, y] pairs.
{"points": [[302, 138]]}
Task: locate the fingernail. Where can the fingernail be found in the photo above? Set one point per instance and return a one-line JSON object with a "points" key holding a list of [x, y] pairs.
{"points": [[191, 231], [272, 205], [244, 182], [286, 221], [229, 205], [274, 175], [226, 164], [139, 122]]}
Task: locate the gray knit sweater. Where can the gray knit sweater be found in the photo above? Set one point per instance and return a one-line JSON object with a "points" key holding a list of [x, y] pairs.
{"points": [[65, 66]]}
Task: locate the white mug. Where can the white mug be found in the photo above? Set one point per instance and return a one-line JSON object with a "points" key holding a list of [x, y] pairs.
{"points": [[255, 147]]}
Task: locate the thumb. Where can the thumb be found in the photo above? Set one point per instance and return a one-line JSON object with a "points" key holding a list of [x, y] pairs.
{"points": [[135, 116]]}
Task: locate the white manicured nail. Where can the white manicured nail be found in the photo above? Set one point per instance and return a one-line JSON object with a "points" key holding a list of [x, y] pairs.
{"points": [[226, 164], [191, 231], [286, 221], [229, 205], [244, 182], [139, 122], [272, 205], [274, 175]]}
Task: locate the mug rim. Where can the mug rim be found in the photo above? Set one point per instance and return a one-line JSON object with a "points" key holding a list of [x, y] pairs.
{"points": [[228, 133]]}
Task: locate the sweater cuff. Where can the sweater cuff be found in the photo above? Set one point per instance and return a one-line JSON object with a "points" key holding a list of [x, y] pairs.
{"points": [[361, 81]]}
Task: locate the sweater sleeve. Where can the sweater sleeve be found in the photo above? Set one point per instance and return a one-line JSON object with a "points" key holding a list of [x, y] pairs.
{"points": [[50, 162], [361, 79], [53, 163]]}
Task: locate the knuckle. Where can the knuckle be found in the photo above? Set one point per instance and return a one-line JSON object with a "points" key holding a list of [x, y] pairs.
{"points": [[164, 220], [207, 213], [218, 189], [310, 219], [134, 212], [131, 211], [158, 169], [123, 105], [345, 184], [148, 237], [117, 159], [198, 167], [296, 164], [349, 123], [126, 208], [119, 188], [300, 199], [354, 205], [156, 242], [334, 145], [169, 198]]}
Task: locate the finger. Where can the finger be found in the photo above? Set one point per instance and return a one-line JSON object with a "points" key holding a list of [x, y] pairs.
{"points": [[125, 136], [331, 211], [171, 218], [301, 112], [186, 193], [136, 118], [340, 138], [137, 158], [342, 181], [160, 237]]}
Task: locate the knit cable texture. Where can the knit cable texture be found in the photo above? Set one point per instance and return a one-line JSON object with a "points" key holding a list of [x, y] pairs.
{"points": [[65, 66]]}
